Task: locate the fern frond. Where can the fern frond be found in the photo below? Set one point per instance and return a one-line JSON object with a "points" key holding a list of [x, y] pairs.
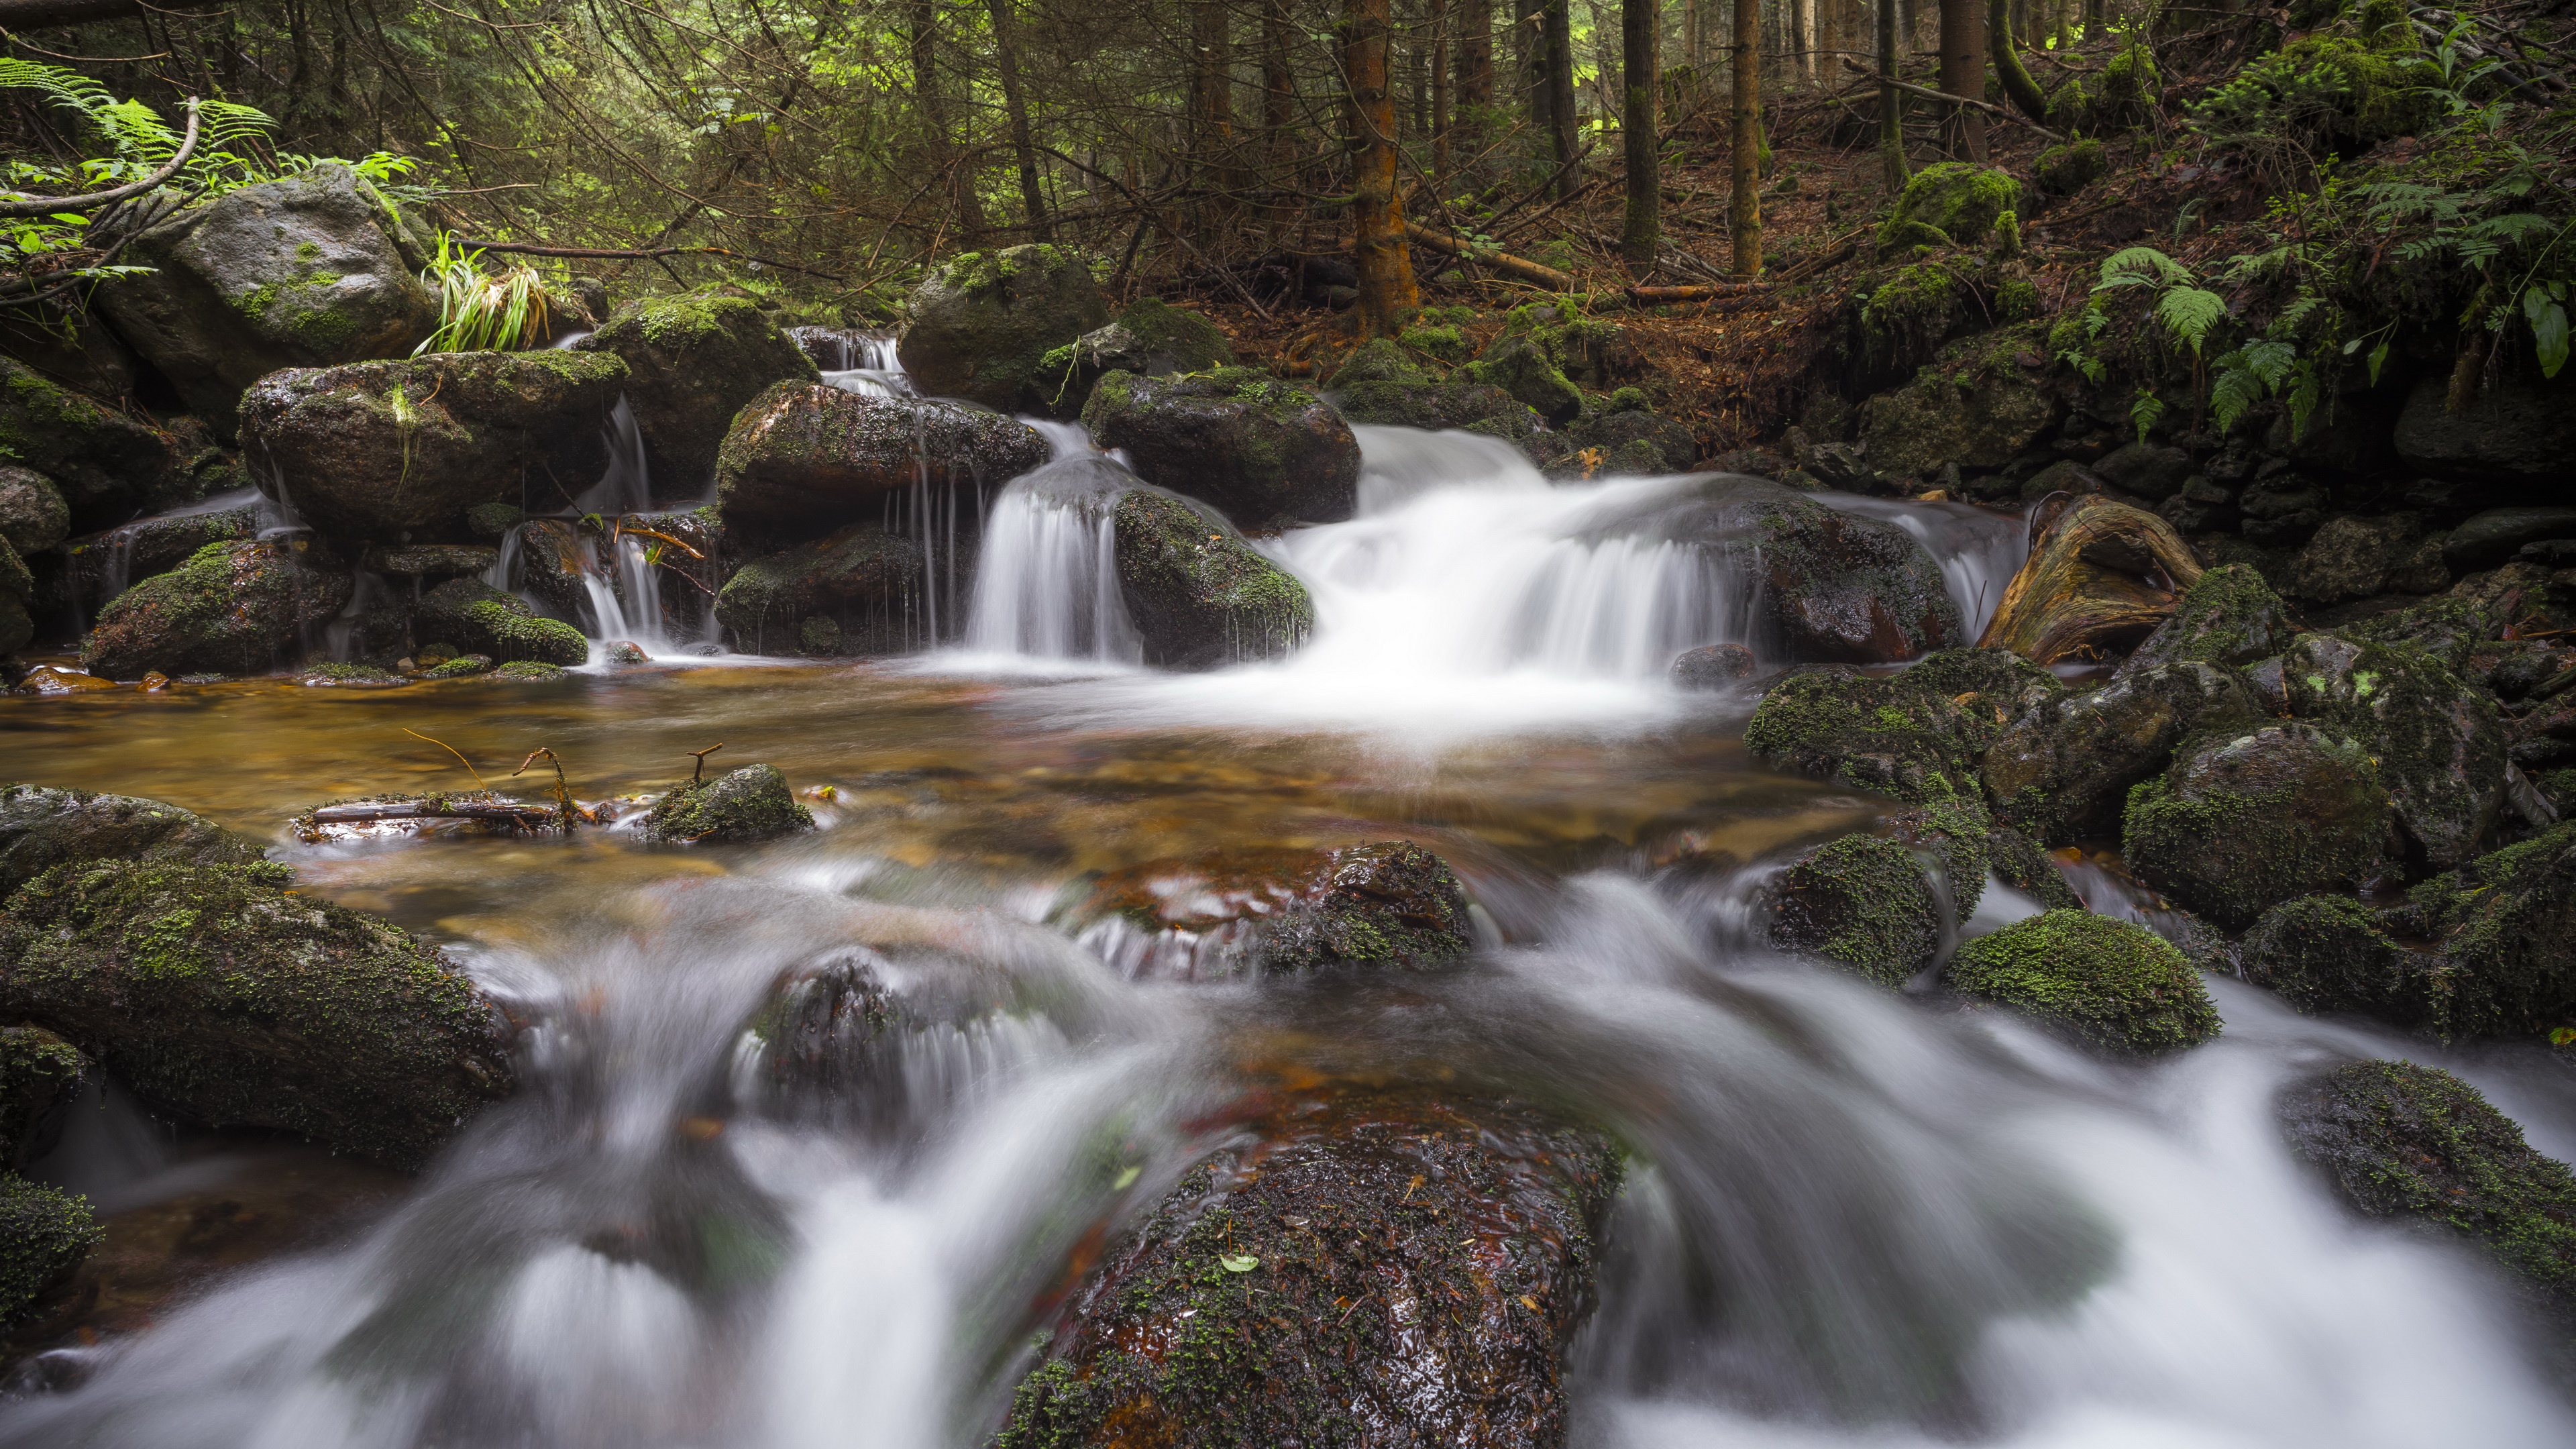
{"points": [[2139, 266], [2189, 313]]}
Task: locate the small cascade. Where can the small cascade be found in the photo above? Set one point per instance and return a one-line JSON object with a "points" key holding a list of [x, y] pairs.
{"points": [[624, 597], [369, 593], [1046, 586], [866, 362], [1979, 552], [627, 486]]}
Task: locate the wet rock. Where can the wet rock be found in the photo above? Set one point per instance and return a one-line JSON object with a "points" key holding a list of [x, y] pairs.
{"points": [[2505, 924], [2526, 597], [2399, 1140], [232, 608], [229, 999], [1149, 339], [17, 592], [805, 459], [1712, 666], [71, 343], [434, 562], [100, 566], [459, 667], [472, 615], [1523, 369], [347, 676], [1977, 406], [1959, 201], [2019, 862], [2332, 953], [2229, 616], [2240, 821], [2438, 740], [1412, 1268], [106, 466], [2520, 430], [2114, 982], [40, 1074], [1547, 354], [856, 580], [2354, 558], [1266, 454], [1380, 385], [1631, 440], [44, 1234], [1388, 905], [2150, 470], [692, 362], [981, 326], [625, 652], [738, 808], [528, 671], [2492, 537], [399, 452], [2283, 510], [1861, 900], [42, 828], [2445, 629], [1916, 736], [2543, 737], [33, 516], [2064, 767], [1199, 596], [313, 271]]}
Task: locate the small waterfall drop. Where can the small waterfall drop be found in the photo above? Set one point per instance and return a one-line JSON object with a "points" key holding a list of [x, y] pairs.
{"points": [[1046, 586], [627, 486], [625, 597], [860, 362]]}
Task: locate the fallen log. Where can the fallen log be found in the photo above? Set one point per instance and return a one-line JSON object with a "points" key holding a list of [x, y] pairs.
{"points": [[1695, 292], [316, 825], [2102, 574], [2015, 117], [1503, 262]]}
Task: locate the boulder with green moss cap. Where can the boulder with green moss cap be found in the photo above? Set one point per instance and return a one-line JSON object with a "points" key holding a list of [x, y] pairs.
{"points": [[857, 581], [1249, 912], [803, 459], [1980, 403], [1958, 200], [400, 452], [981, 326], [2064, 767], [45, 1232], [2410, 1142], [2243, 819], [472, 615], [40, 1074], [41, 828], [692, 362], [2021, 863], [315, 270], [1199, 596], [737, 808], [1861, 900], [2439, 741], [2228, 616], [1380, 384], [1150, 338], [2505, 925], [232, 608], [2114, 982], [2332, 953], [231, 1000], [99, 566], [1916, 736], [1264, 453], [103, 465]]}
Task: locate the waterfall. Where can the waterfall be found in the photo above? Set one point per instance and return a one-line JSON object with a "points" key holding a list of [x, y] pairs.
{"points": [[627, 486], [863, 363], [1979, 552], [625, 598], [1046, 585]]}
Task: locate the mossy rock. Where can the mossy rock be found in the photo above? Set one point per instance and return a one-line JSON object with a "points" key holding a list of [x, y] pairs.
{"points": [[2067, 169], [105, 467], [692, 362], [2448, 629], [474, 615], [2114, 982], [2439, 741], [2243, 820], [2228, 616], [232, 1000], [2398, 1140], [1861, 900], [1379, 360], [740, 807], [460, 667], [2064, 768], [527, 671], [1264, 453], [802, 459], [232, 608], [40, 1075], [1916, 736], [2332, 953], [2020, 862], [2322, 92], [1980, 403], [1386, 905], [41, 828], [982, 325], [33, 515], [1633, 440], [1523, 367], [45, 1233], [1199, 596], [2505, 924], [857, 580], [1150, 339], [99, 566], [1960, 199]]}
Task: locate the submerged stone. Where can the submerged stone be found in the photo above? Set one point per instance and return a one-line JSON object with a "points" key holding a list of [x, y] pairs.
{"points": [[1199, 596], [232, 608], [2114, 982], [692, 362], [44, 1234], [746, 805], [1388, 904], [1860, 900], [981, 326], [2240, 821], [41, 828], [803, 460], [473, 615]]}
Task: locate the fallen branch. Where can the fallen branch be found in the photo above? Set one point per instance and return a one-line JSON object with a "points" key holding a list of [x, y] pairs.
{"points": [[1697, 292], [1503, 262], [646, 254], [2102, 574], [2013, 116], [48, 205], [523, 817]]}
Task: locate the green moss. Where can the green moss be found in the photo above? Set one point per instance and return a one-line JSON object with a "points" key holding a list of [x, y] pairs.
{"points": [[1199, 594], [518, 635], [1860, 900], [1446, 343], [1916, 736], [528, 671], [743, 806], [459, 666], [2065, 170], [2229, 616], [2243, 821], [1960, 199], [2505, 924], [494, 520], [44, 1234], [2330, 953], [1910, 312], [2115, 982]]}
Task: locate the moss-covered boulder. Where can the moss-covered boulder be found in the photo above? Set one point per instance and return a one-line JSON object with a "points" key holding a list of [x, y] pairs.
{"points": [[2505, 925], [2064, 767], [2398, 1140], [44, 1234], [1199, 596], [739, 807], [1388, 905], [1524, 368], [1266, 454], [2325, 93], [99, 566], [857, 580], [315, 270], [1861, 900], [692, 362], [1627, 438], [1351, 1266], [104, 465], [1379, 384], [2064, 170], [1980, 404], [232, 608], [2228, 616], [226, 997], [472, 615], [1916, 736], [399, 452], [33, 515], [2242, 820], [40, 1074], [1958, 199], [981, 327], [2439, 740], [41, 828], [803, 459], [1150, 338], [2332, 953], [2021, 863], [2115, 982]]}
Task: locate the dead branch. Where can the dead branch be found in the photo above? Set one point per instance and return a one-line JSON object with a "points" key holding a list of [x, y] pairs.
{"points": [[2102, 574], [2013, 116], [1503, 262]]}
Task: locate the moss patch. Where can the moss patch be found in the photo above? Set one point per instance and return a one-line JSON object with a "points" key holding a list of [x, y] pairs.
{"points": [[44, 1234], [2117, 983], [746, 805], [2241, 821], [1860, 900]]}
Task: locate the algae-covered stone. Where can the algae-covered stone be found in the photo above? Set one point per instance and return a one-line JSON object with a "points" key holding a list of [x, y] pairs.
{"points": [[803, 459], [2332, 953], [232, 608], [40, 1074], [1631, 440], [1150, 339], [527, 671], [105, 466], [2067, 169], [2240, 821], [33, 515], [1959, 199], [2505, 925], [1980, 404], [232, 1000], [857, 580], [2438, 740], [1266, 454], [981, 326], [45, 1232], [99, 566], [692, 362], [1916, 736], [460, 667], [400, 452], [475, 616], [2399, 1140], [1861, 900], [1198, 595], [1523, 368], [2228, 616], [2064, 767], [2115, 982], [41, 828], [1354, 1266], [2447, 629], [741, 807], [1389, 904], [2020, 862]]}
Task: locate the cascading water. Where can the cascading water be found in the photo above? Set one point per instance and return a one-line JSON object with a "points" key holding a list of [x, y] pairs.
{"points": [[1047, 587]]}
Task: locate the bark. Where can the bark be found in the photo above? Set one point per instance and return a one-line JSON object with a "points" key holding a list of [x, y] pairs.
{"points": [[1557, 50], [1963, 73], [1015, 110], [2103, 574], [1475, 52], [1744, 207], [1440, 91], [1503, 262], [1212, 104], [922, 25], [2018, 85], [1800, 17], [1891, 103], [1388, 296], [1638, 20]]}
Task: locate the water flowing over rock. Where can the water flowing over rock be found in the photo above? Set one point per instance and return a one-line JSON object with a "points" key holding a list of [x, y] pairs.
{"points": [[2439, 741], [981, 326], [856, 580], [106, 467], [472, 615], [315, 270], [1199, 596], [1388, 905], [1266, 454], [42, 828], [692, 363], [232, 608], [400, 452], [2242, 820], [803, 459], [2064, 768], [224, 997]]}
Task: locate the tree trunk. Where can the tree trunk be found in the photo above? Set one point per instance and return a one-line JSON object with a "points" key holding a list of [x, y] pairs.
{"points": [[1388, 297], [2102, 574], [1557, 25], [1891, 103], [1963, 73], [1801, 16], [1744, 207], [1440, 92], [1529, 53], [1212, 105], [923, 42], [1015, 110], [1279, 110], [2025, 92], [1638, 21]]}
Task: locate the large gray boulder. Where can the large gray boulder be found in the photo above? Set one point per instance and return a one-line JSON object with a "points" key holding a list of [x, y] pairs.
{"points": [[232, 608], [2066, 765], [1200, 596], [981, 327], [398, 452], [2244, 819], [1264, 453], [311, 271], [2439, 740], [41, 828], [106, 466], [1150, 338], [804, 459], [692, 362]]}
